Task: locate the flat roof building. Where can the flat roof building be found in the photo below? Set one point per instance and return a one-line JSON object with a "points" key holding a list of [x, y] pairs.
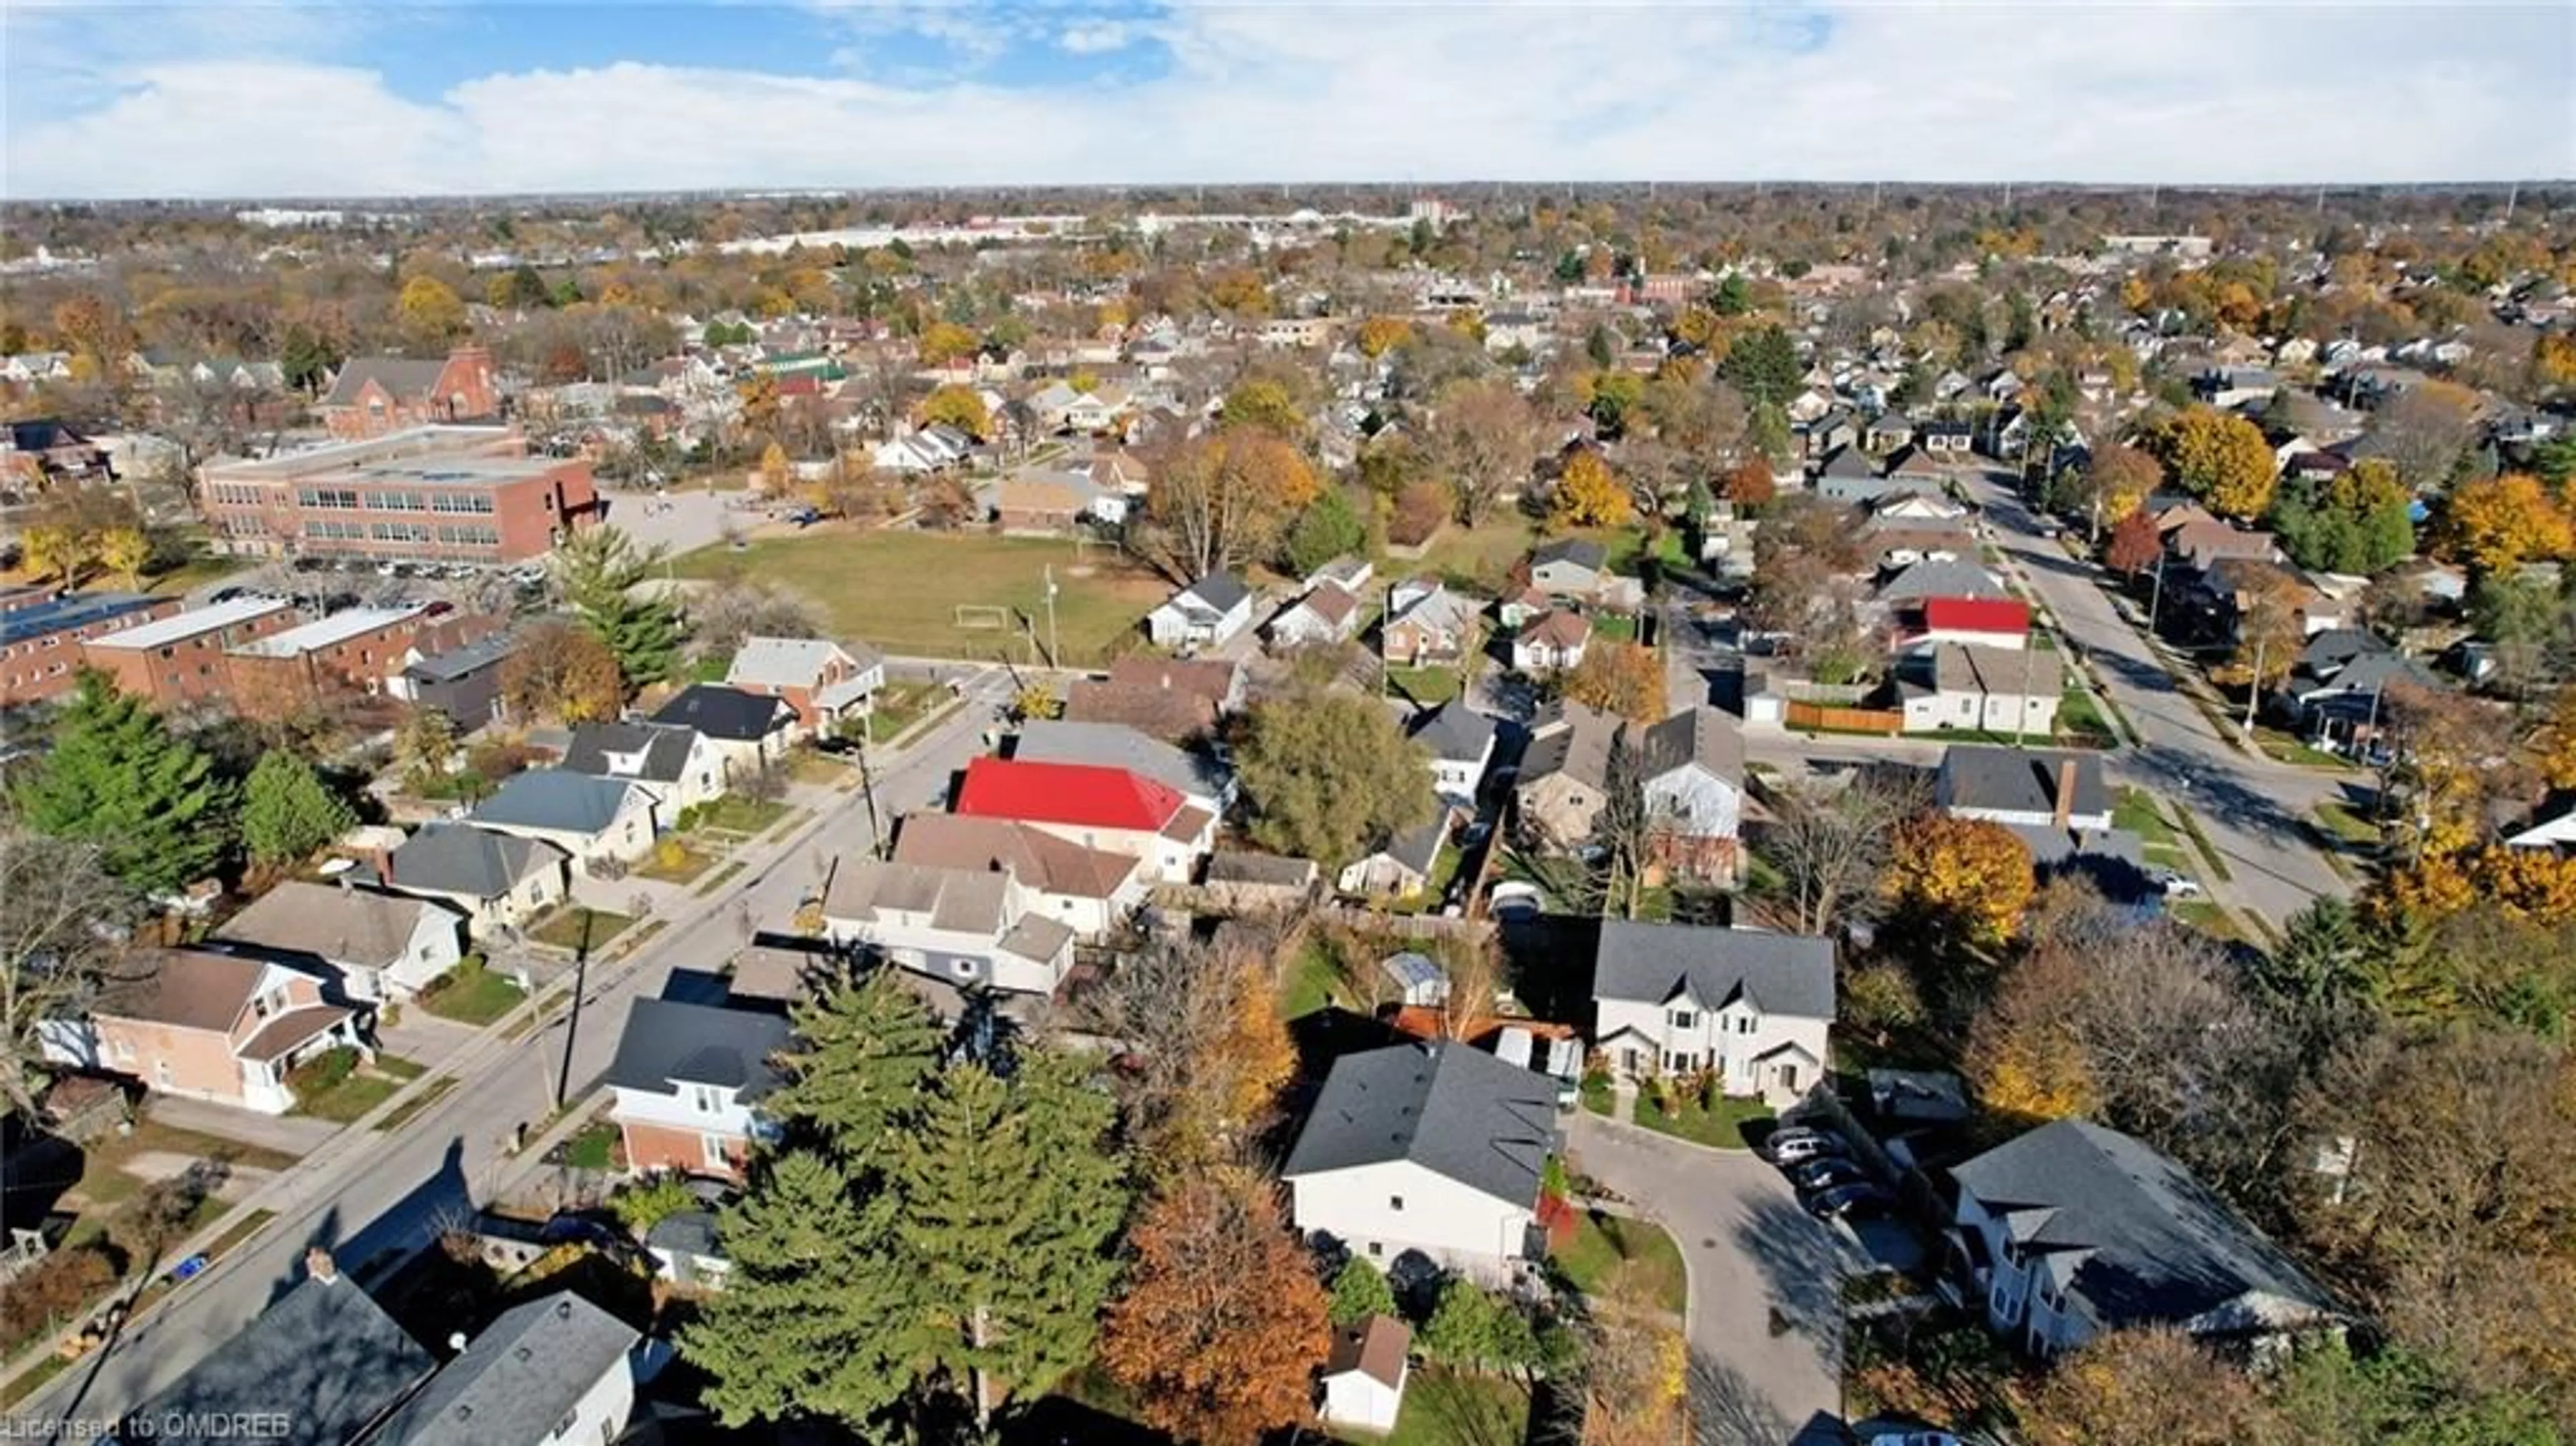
{"points": [[40, 638], [181, 658], [432, 494]]}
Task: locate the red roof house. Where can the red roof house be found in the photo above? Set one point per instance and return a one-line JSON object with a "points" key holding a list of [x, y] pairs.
{"points": [[1097, 807], [1993, 622]]}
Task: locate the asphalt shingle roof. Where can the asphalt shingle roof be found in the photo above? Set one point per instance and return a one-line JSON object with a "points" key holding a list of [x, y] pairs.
{"points": [[364, 927], [518, 1380], [323, 1362], [1451, 1109], [1789, 974], [2019, 780], [554, 798], [667, 1042], [665, 747], [1455, 733], [727, 713], [1116, 745], [474, 862]]}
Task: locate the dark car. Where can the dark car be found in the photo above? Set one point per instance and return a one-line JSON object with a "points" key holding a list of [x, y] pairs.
{"points": [[1849, 1200], [1827, 1173]]}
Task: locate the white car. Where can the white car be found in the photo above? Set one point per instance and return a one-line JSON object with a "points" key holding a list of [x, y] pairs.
{"points": [[2178, 886]]}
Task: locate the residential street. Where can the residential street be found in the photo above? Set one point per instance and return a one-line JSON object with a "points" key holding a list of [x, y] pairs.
{"points": [[1765, 1281], [2253, 809], [365, 1192]]}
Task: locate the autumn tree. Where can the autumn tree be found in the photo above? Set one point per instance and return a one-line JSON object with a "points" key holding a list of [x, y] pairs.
{"points": [[1968, 878], [2271, 625], [1749, 483], [430, 311], [1329, 528], [1223, 500], [63, 922], [126, 550], [1830, 845], [1264, 402], [1626, 679], [2356, 522], [1210, 1052], [2115, 482], [2424, 429], [2153, 1384], [1483, 437], [1633, 1371], [2219, 458], [2135, 546], [1329, 775], [1587, 495], [943, 342], [1222, 1324], [1377, 335], [2023, 1055], [2495, 524], [561, 672], [960, 407]]}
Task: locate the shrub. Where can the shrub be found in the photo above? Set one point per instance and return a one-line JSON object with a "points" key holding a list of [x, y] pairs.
{"points": [[670, 853], [52, 1291], [648, 1204], [322, 1073]]}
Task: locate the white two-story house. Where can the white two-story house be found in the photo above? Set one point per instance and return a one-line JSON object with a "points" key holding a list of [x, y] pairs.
{"points": [[1432, 1148], [2073, 1229], [688, 1081], [1748, 1006], [962, 926]]}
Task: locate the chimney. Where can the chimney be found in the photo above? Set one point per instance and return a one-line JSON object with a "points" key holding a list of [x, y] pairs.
{"points": [[2065, 791], [319, 1264]]}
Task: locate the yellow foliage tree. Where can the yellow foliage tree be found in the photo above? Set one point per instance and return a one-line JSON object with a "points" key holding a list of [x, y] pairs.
{"points": [[2553, 360], [2022, 1057], [430, 311], [2535, 883], [1969, 874], [126, 549], [1626, 679], [2497, 523], [959, 407], [56, 550], [773, 469], [1379, 335], [2220, 458], [943, 342], [2554, 746], [1037, 700], [1588, 495]]}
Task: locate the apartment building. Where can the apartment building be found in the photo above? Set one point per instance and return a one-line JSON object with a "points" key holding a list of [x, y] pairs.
{"points": [[40, 641], [183, 658]]}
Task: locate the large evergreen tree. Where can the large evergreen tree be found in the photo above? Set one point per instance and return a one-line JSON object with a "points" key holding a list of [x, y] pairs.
{"points": [[288, 812], [117, 778], [599, 571], [865, 1048]]}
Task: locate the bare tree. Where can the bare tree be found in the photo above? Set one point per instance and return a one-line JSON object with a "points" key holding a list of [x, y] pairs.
{"points": [[723, 616], [1830, 846], [62, 940], [1486, 437]]}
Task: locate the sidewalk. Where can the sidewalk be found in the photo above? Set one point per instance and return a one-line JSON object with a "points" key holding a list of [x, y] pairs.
{"points": [[287, 1134]]}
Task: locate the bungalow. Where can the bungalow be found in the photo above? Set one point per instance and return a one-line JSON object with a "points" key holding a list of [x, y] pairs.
{"points": [[2074, 1229], [1916, 470], [2337, 687], [2200, 542], [1402, 866], [1427, 625], [1431, 1148], [688, 1080], [1998, 690], [1551, 642], [375, 945], [1172, 699], [1570, 568], [1195, 775], [217, 1027], [749, 730], [1849, 476], [1886, 432], [960, 925], [594, 820], [1746, 1007], [1038, 506], [678, 765], [1114, 809], [499, 880], [1207, 613], [2035, 787], [1328, 613], [1901, 542], [824, 681], [1922, 581], [1460, 741], [1976, 622], [1089, 891]]}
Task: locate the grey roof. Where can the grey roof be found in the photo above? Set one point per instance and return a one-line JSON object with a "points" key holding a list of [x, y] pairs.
{"points": [[2000, 672], [368, 928], [1703, 736], [690, 1232], [1581, 551], [1455, 733], [554, 798], [1418, 848], [324, 1362], [665, 747], [518, 1380], [1453, 1110], [1940, 577], [794, 662], [474, 862], [1219, 590], [1241, 868], [2019, 780], [667, 1042], [967, 900], [404, 378], [1115, 745], [2156, 1245], [1780, 973], [1410, 970], [2054, 848], [1571, 739], [727, 713], [1849, 462], [459, 662]]}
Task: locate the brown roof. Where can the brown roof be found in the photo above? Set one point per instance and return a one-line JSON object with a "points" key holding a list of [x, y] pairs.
{"points": [[188, 989], [1039, 859], [765, 971], [1375, 1347], [1188, 824], [365, 927], [1557, 629], [2202, 542], [281, 1035], [1209, 678], [1170, 715], [1035, 496], [1331, 602]]}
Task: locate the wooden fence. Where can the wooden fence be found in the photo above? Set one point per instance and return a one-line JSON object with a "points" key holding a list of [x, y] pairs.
{"points": [[1843, 720]]}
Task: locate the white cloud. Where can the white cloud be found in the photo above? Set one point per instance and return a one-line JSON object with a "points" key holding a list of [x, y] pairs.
{"points": [[1292, 93]]}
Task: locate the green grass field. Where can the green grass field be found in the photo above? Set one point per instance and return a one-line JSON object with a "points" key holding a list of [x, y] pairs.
{"points": [[1446, 1408], [901, 590], [472, 994], [1602, 1242]]}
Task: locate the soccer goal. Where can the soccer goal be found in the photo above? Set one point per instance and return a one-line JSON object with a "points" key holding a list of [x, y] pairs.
{"points": [[982, 618]]}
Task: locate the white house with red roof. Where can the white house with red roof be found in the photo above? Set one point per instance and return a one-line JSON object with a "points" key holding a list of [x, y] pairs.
{"points": [[1978, 622], [1110, 809]]}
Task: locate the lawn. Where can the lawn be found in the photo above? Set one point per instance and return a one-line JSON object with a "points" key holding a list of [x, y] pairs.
{"points": [[2079, 716], [1444, 1408], [563, 927], [716, 880], [2347, 826], [1722, 1127], [1424, 685], [692, 862], [900, 590], [1598, 1096], [2208, 851], [2208, 918], [2288, 748], [358, 1092], [734, 813], [901, 705], [1478, 558], [195, 572], [472, 994], [104, 1181], [1602, 1242], [2137, 812], [593, 1148], [1311, 983], [1611, 627]]}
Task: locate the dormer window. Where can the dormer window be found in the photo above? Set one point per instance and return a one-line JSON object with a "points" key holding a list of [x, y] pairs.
{"points": [[1683, 1019], [706, 1099]]}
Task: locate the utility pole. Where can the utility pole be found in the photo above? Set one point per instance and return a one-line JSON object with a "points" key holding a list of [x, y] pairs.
{"points": [[2254, 688], [1054, 656], [868, 789], [2021, 705], [2156, 598], [572, 1021]]}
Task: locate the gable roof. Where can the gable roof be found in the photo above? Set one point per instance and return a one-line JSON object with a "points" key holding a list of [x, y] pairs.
{"points": [[1158, 712], [464, 659], [1976, 614], [2155, 1244], [1116, 745], [517, 1380], [1582, 552], [1031, 855], [187, 989], [664, 746], [404, 378], [1455, 733], [1940, 577], [451, 858], [1555, 628], [1220, 591], [668, 1043], [965, 899], [1790, 974], [1439, 610], [556, 799], [1075, 794], [1703, 736], [2019, 780], [727, 713], [1999, 672], [792, 662], [1455, 1111], [1570, 739], [1213, 679], [1375, 1348], [324, 1363], [365, 927]]}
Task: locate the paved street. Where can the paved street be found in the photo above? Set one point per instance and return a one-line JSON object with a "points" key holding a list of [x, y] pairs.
{"points": [[1765, 1281], [2253, 809], [366, 1192]]}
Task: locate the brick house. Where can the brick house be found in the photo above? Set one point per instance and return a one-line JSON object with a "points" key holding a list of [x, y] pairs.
{"points": [[376, 395], [348, 652], [186, 658], [430, 494], [688, 1080], [211, 1027], [822, 680], [40, 643]]}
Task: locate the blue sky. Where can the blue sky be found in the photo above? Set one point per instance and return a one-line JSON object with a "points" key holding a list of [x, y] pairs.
{"points": [[314, 97]]}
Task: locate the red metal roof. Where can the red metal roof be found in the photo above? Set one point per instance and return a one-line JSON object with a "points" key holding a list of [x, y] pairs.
{"points": [[1976, 615], [1080, 794]]}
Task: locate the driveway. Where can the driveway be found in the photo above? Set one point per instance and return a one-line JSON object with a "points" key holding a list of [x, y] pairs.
{"points": [[1765, 1281]]}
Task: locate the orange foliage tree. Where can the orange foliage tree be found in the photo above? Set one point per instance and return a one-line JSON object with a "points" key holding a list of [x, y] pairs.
{"points": [[1969, 875], [1622, 678], [2496, 523], [1749, 484], [1223, 1322], [562, 672], [1588, 495]]}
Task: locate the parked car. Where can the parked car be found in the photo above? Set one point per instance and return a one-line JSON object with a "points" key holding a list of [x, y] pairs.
{"points": [[1915, 1438], [1849, 1199], [1806, 1148], [2178, 886], [1826, 1172], [1794, 1134]]}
